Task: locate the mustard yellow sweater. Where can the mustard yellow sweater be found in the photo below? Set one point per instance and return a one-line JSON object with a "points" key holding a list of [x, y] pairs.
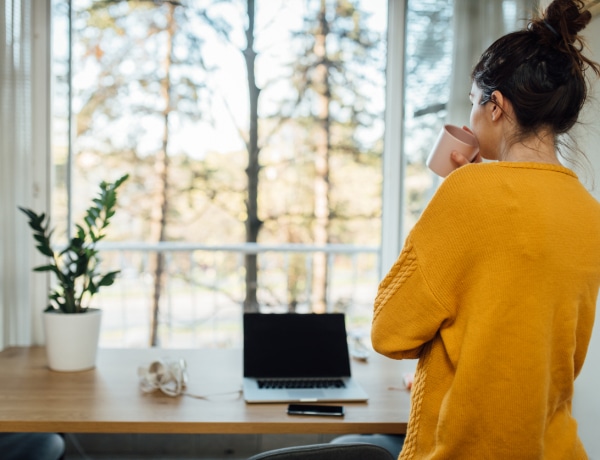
{"points": [[495, 294]]}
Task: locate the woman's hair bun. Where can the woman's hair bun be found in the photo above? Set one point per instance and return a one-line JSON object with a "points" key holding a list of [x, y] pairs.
{"points": [[562, 19], [558, 26]]}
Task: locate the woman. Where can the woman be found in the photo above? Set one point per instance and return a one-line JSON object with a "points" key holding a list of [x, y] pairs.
{"points": [[495, 289]]}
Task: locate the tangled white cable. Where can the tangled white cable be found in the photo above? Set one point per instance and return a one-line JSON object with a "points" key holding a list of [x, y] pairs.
{"points": [[171, 377], [168, 376]]}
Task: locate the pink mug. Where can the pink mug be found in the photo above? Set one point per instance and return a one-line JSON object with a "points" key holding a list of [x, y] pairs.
{"points": [[451, 138]]}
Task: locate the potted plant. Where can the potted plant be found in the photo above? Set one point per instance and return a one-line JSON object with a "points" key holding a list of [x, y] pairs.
{"points": [[71, 327]]}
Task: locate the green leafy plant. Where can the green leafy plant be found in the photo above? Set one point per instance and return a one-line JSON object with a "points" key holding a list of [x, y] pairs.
{"points": [[77, 266]]}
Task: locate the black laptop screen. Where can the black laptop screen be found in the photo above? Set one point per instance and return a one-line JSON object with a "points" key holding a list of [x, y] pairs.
{"points": [[295, 345]]}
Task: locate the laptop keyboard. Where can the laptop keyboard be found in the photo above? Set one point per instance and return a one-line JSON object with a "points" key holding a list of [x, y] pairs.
{"points": [[300, 383]]}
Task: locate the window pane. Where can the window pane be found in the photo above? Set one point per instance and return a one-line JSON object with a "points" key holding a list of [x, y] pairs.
{"points": [[234, 128], [429, 43]]}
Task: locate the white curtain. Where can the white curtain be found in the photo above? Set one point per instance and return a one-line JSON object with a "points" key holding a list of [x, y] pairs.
{"points": [[24, 163]]}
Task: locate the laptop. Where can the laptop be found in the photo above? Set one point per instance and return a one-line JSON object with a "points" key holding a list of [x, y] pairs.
{"points": [[294, 357]]}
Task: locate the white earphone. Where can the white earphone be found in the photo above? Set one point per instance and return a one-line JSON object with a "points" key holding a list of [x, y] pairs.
{"points": [[168, 376]]}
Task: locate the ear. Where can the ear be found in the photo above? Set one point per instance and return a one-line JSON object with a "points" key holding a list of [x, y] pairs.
{"points": [[498, 105]]}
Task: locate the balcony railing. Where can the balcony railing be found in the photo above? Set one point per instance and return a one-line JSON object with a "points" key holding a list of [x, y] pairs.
{"points": [[203, 290]]}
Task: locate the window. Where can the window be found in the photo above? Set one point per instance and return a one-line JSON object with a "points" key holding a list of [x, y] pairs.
{"points": [[255, 144], [253, 140]]}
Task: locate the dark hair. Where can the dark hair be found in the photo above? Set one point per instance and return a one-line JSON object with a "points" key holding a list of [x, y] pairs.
{"points": [[541, 69]]}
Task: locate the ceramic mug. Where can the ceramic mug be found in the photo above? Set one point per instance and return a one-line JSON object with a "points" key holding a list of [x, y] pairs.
{"points": [[451, 138]]}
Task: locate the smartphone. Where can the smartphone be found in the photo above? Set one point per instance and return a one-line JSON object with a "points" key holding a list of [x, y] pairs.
{"points": [[314, 409]]}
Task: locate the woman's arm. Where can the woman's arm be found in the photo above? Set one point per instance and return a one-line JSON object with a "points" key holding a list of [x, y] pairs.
{"points": [[423, 289], [407, 314]]}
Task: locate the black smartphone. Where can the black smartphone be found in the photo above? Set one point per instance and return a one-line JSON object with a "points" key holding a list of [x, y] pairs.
{"points": [[315, 409]]}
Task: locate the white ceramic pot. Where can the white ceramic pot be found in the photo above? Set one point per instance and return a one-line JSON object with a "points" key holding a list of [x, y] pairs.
{"points": [[72, 339]]}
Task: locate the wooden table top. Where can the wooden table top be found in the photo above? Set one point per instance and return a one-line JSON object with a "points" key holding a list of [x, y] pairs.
{"points": [[108, 399]]}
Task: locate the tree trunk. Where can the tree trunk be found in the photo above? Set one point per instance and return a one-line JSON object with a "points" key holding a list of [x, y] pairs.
{"points": [[159, 212], [253, 223], [321, 183]]}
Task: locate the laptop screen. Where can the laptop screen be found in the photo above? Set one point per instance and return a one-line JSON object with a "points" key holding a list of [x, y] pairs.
{"points": [[280, 345]]}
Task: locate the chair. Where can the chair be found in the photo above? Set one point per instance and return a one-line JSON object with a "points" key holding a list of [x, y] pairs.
{"points": [[346, 451], [32, 446]]}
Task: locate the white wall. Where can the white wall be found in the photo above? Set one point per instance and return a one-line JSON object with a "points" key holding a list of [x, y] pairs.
{"points": [[586, 405]]}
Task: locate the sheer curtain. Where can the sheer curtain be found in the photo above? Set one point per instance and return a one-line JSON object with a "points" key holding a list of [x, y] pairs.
{"points": [[477, 24], [24, 163]]}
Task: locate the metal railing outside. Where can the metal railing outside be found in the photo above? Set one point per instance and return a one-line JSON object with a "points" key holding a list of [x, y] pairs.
{"points": [[201, 302]]}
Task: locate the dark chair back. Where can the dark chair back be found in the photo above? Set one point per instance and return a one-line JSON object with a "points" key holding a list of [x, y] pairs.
{"points": [[345, 451]]}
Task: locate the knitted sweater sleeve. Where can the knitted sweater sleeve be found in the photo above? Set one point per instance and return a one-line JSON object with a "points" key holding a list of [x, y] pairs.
{"points": [[418, 294], [407, 315]]}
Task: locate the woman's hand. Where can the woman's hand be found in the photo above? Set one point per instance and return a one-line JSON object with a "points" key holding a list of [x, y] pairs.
{"points": [[461, 160]]}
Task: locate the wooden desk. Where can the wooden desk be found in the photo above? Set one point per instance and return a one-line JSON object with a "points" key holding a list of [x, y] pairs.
{"points": [[107, 399]]}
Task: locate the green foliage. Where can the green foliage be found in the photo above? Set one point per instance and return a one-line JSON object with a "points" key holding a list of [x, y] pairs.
{"points": [[77, 266]]}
